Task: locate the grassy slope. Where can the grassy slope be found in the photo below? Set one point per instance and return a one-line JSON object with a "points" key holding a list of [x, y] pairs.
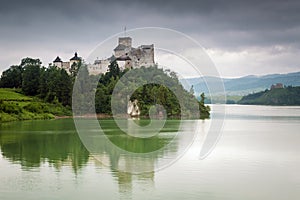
{"points": [[7, 94], [16, 106]]}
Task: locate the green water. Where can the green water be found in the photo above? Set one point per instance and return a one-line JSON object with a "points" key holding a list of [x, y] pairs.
{"points": [[257, 157]]}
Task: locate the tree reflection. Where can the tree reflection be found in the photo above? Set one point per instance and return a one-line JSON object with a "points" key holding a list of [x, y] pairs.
{"points": [[34, 143], [55, 142]]}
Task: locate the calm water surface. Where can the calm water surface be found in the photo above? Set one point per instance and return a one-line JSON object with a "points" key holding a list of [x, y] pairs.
{"points": [[257, 157]]}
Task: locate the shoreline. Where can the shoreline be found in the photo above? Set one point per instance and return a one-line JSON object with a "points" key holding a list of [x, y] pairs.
{"points": [[98, 116]]}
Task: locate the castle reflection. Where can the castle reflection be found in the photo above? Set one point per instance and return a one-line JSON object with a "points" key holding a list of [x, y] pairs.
{"points": [[55, 142]]}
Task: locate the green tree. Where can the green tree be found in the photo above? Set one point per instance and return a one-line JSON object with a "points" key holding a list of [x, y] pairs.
{"points": [[204, 110], [43, 87], [12, 78], [83, 90], [102, 103], [65, 88], [31, 76], [113, 70], [75, 68]]}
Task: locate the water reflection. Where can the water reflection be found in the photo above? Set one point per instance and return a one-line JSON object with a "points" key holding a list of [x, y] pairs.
{"points": [[256, 158], [56, 143], [123, 152], [34, 143]]}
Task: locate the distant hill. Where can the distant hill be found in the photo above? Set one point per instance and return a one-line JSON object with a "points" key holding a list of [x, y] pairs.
{"points": [[242, 86], [279, 96]]}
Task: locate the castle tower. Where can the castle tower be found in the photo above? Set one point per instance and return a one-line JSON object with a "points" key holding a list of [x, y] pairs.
{"points": [[75, 59], [124, 46], [127, 41], [57, 62]]}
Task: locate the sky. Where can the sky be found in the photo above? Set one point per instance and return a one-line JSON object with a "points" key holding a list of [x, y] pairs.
{"points": [[241, 37]]}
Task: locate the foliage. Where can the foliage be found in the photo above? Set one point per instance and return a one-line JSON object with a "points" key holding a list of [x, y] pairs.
{"points": [[55, 85], [51, 84], [30, 76], [150, 94], [204, 110], [15, 106], [7, 94], [279, 96], [12, 78], [83, 92]]}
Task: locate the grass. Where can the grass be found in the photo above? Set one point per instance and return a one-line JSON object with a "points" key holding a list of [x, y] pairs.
{"points": [[16, 106], [7, 94]]}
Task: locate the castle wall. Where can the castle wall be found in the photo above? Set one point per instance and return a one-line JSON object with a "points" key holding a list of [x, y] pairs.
{"points": [[124, 64], [99, 67], [119, 53], [142, 56], [58, 64], [66, 66]]}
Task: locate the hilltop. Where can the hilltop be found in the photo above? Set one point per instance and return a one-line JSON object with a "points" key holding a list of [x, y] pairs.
{"points": [[43, 93], [289, 96]]}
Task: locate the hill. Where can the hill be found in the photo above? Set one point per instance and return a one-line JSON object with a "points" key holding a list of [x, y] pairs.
{"points": [[289, 96], [244, 85]]}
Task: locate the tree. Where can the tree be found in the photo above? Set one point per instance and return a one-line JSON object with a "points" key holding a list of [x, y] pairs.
{"points": [[75, 68], [83, 91], [65, 88], [204, 110], [30, 61], [12, 78], [30, 76], [102, 103], [53, 78], [192, 91], [114, 70]]}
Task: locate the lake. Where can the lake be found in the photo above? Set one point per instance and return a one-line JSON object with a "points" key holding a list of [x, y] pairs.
{"points": [[257, 157]]}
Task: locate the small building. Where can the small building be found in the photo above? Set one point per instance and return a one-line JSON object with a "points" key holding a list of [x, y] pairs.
{"points": [[276, 86], [75, 59], [66, 65], [57, 62]]}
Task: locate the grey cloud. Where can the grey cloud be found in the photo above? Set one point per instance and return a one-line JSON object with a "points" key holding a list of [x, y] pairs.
{"points": [[228, 25]]}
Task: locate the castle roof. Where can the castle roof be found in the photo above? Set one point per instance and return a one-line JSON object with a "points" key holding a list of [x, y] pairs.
{"points": [[76, 57], [112, 58], [57, 59], [120, 47]]}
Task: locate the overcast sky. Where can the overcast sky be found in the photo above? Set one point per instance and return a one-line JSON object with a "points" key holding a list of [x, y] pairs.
{"points": [[241, 37]]}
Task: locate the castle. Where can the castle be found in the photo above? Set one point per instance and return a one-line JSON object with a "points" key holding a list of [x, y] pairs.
{"points": [[126, 56]]}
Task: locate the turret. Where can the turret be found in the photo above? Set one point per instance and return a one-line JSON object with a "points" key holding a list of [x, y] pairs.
{"points": [[57, 62], [75, 59]]}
